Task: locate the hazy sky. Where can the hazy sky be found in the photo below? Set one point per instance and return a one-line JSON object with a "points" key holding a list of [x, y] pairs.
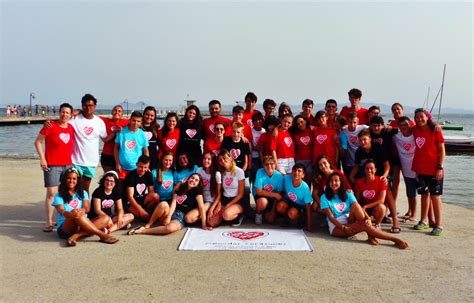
{"points": [[158, 52]]}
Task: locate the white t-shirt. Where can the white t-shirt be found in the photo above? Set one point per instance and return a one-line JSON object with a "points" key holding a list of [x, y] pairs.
{"points": [[352, 142], [255, 136], [406, 151], [86, 144], [230, 183], [206, 184]]}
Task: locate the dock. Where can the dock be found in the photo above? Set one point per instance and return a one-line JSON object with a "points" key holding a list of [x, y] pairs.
{"points": [[9, 121]]}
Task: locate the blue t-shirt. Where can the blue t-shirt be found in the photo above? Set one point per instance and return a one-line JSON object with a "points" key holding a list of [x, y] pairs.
{"points": [[182, 176], [131, 146], [165, 189], [300, 195], [75, 203], [338, 207], [267, 183]]}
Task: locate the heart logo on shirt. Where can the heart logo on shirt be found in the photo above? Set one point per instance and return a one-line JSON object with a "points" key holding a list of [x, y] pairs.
{"points": [[88, 130], [140, 188], [65, 137], [181, 199], [407, 146], [292, 196], [205, 182], [211, 128], [191, 132], [378, 140], [171, 143], [130, 144], [305, 140], [288, 141], [268, 187], [74, 203], [166, 184], [216, 152], [368, 194], [228, 181], [245, 235], [107, 203], [420, 141], [321, 138], [340, 206], [148, 135], [353, 139], [250, 123], [235, 153]]}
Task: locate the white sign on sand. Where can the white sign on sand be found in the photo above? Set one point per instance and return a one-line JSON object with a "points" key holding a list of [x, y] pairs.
{"points": [[245, 239]]}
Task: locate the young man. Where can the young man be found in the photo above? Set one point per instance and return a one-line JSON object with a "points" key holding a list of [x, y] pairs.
{"points": [[209, 123], [351, 131], [307, 111], [331, 112], [140, 195], [373, 111], [238, 113], [250, 102], [269, 107], [130, 144], [354, 97]]}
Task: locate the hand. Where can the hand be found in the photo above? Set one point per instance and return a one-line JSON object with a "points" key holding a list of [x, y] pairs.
{"points": [[118, 166], [120, 222], [48, 124], [439, 174], [278, 197], [384, 179], [245, 140], [206, 227], [43, 164]]}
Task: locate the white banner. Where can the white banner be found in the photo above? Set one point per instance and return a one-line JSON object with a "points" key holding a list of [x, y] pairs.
{"points": [[245, 239]]}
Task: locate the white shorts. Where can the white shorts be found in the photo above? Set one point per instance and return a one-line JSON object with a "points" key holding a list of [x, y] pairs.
{"points": [[344, 219], [285, 165]]}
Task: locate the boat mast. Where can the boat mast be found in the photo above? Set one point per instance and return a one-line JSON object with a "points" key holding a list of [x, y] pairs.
{"points": [[427, 100], [441, 96]]}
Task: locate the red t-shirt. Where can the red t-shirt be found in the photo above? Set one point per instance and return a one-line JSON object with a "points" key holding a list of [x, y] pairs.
{"points": [[168, 144], [362, 114], [211, 146], [425, 161], [209, 124], [283, 145], [59, 143], [247, 119], [109, 125], [325, 144], [370, 192], [247, 132], [264, 143], [394, 123], [303, 144]]}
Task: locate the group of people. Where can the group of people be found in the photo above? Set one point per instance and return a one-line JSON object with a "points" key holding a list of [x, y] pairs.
{"points": [[341, 168]]}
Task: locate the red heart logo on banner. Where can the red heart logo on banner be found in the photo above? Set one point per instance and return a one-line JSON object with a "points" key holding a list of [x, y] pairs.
{"points": [[292, 196], [305, 140], [420, 141], [321, 138], [340, 206], [368, 194], [88, 130], [268, 187], [65, 137], [130, 144], [107, 203], [181, 199], [191, 132], [140, 188], [288, 141], [245, 235], [235, 153]]}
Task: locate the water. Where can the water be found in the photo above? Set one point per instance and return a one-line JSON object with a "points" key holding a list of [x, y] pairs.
{"points": [[18, 141]]}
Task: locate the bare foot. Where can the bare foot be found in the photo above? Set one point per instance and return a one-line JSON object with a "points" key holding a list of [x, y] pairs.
{"points": [[71, 242]]}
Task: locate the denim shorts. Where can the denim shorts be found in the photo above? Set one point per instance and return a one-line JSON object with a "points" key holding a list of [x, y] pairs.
{"points": [[52, 175], [178, 216]]}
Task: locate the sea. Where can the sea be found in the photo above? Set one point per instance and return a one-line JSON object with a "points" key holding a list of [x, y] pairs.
{"points": [[18, 142]]}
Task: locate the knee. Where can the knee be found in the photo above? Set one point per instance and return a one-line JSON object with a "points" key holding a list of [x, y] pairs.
{"points": [[293, 213], [227, 215], [281, 207], [262, 204], [190, 219]]}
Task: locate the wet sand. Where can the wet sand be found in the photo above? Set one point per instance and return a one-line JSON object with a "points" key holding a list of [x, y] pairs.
{"points": [[37, 266]]}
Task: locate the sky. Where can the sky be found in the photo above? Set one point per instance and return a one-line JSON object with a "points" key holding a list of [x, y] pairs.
{"points": [[160, 52]]}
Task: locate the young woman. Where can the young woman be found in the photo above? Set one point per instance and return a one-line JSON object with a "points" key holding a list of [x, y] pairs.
{"points": [[283, 148], [187, 207], [151, 127], [257, 132], [303, 138], [213, 144], [345, 216], [326, 140], [191, 130], [59, 141], [72, 204], [210, 176], [168, 136], [113, 125], [397, 111], [371, 191], [428, 165], [107, 201], [163, 179], [184, 168], [284, 109]]}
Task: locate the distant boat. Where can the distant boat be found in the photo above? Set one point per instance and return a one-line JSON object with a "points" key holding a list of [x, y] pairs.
{"points": [[459, 143], [446, 125]]}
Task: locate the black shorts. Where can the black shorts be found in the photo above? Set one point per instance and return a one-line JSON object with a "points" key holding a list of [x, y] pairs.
{"points": [[270, 204], [62, 234], [299, 207], [429, 184], [226, 200], [107, 160]]}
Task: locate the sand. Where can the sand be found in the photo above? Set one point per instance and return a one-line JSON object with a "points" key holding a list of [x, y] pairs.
{"points": [[37, 266]]}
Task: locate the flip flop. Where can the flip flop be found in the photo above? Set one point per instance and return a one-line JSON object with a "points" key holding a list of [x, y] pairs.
{"points": [[109, 240], [409, 220], [71, 243], [133, 231], [395, 230], [48, 228]]}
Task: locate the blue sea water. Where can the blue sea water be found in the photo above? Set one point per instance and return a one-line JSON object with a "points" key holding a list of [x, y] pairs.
{"points": [[17, 142]]}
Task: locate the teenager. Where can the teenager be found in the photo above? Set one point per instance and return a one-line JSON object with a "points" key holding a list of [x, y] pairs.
{"points": [[169, 135], [326, 140], [354, 97], [215, 117], [151, 128], [191, 133], [113, 125], [213, 144]]}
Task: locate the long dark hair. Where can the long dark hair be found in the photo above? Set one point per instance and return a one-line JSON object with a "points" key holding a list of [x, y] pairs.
{"points": [[184, 186], [198, 121], [341, 192], [294, 127], [166, 129], [318, 174], [64, 191], [190, 161], [283, 106], [429, 122], [154, 125], [213, 170], [113, 174]]}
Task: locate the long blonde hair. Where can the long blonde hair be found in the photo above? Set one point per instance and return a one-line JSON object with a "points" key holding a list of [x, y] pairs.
{"points": [[226, 153]]}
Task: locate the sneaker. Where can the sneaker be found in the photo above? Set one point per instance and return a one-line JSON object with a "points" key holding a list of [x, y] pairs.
{"points": [[238, 221], [258, 219], [421, 226], [437, 231]]}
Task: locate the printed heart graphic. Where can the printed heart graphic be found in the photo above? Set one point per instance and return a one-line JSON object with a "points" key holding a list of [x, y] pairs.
{"points": [[378, 140], [321, 138], [250, 123], [340, 206], [353, 139], [305, 140], [166, 184], [130, 144], [107, 203], [74, 203], [216, 152], [140, 188], [407, 146], [171, 143], [181, 199], [288, 141], [88, 130], [211, 128], [245, 235], [64, 137], [420, 141], [148, 135], [228, 181], [235, 153], [191, 132], [368, 194], [205, 182], [268, 187], [292, 196]]}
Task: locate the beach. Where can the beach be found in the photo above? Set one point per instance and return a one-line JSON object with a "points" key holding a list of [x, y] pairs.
{"points": [[37, 266]]}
